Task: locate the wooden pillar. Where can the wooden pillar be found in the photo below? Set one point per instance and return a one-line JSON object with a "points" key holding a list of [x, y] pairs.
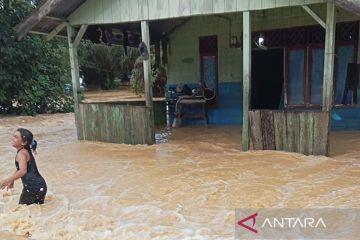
{"points": [[329, 57], [246, 78], [145, 35], [74, 76], [358, 47]]}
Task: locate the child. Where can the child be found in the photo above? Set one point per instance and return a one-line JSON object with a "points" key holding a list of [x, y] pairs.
{"points": [[35, 188]]}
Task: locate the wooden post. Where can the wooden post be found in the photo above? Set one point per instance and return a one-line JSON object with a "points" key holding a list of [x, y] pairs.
{"points": [[246, 78], [329, 57], [30, 22], [145, 35], [358, 48], [74, 76]]}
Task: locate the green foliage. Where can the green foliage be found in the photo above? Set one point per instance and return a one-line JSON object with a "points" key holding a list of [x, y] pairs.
{"points": [[137, 77], [100, 64], [158, 78], [33, 72]]}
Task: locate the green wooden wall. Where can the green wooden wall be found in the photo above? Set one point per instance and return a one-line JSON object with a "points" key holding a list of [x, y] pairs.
{"points": [[184, 60], [117, 11], [115, 123]]}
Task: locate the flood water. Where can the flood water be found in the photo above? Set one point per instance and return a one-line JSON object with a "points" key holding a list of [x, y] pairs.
{"points": [[185, 188]]}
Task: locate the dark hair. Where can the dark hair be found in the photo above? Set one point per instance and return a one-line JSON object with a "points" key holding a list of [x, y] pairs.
{"points": [[27, 136]]}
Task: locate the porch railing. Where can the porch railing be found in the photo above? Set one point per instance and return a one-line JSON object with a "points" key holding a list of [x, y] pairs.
{"points": [[115, 123], [302, 132]]}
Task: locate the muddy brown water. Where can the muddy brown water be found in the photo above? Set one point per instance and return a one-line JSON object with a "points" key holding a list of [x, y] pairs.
{"points": [[186, 188]]}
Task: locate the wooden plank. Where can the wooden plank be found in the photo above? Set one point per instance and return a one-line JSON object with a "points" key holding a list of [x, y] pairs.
{"points": [[115, 11], [81, 122], [109, 126], [158, 9], [280, 130], [267, 129], [56, 30], [143, 9], [296, 2], [125, 10], [99, 11], [256, 130], [107, 11], [117, 123], [145, 35], [196, 7], [218, 6], [246, 78], [265, 4], [101, 131], [121, 123], [31, 21], [292, 132], [179, 7], [306, 132], [107, 123], [90, 122], [113, 124], [314, 16], [74, 63], [230, 6], [147, 75], [83, 118], [134, 10], [255, 4], [282, 3], [150, 137], [242, 5], [201, 6], [308, 2], [329, 57], [90, 12], [80, 35], [321, 133]]}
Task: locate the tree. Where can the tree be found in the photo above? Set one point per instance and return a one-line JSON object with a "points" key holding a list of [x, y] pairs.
{"points": [[104, 63], [33, 72]]}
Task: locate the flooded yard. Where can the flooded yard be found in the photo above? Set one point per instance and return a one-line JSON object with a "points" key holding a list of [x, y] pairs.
{"points": [[186, 188]]}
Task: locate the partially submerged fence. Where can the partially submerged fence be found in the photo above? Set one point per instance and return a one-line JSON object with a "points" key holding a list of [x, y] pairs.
{"points": [[302, 132], [115, 123]]}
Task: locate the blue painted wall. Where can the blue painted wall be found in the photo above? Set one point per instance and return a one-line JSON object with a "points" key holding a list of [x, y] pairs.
{"points": [[229, 111], [347, 119]]}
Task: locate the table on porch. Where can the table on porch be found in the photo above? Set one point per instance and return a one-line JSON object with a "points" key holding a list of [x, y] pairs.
{"points": [[188, 101]]}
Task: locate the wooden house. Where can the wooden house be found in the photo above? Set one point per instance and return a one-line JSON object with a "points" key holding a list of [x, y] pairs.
{"points": [[285, 59]]}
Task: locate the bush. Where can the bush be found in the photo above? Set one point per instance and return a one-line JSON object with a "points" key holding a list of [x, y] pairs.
{"points": [[33, 72], [101, 64]]}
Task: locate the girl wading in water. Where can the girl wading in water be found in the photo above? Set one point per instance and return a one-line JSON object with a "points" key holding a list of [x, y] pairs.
{"points": [[34, 190]]}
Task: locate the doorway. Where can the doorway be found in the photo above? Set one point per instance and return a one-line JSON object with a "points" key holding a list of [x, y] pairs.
{"points": [[208, 47], [267, 78]]}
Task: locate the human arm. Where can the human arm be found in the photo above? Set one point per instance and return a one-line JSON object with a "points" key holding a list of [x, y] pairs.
{"points": [[9, 182]]}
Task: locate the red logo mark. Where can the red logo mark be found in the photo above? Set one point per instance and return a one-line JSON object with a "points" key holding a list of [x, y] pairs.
{"points": [[241, 223]]}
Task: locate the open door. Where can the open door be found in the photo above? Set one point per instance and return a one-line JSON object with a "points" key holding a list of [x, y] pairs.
{"points": [[208, 47], [267, 78]]}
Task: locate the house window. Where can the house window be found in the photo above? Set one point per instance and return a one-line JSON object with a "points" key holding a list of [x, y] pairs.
{"points": [[304, 62], [316, 76], [296, 76], [344, 55]]}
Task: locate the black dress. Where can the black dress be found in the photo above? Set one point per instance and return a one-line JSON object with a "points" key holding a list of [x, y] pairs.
{"points": [[35, 188]]}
